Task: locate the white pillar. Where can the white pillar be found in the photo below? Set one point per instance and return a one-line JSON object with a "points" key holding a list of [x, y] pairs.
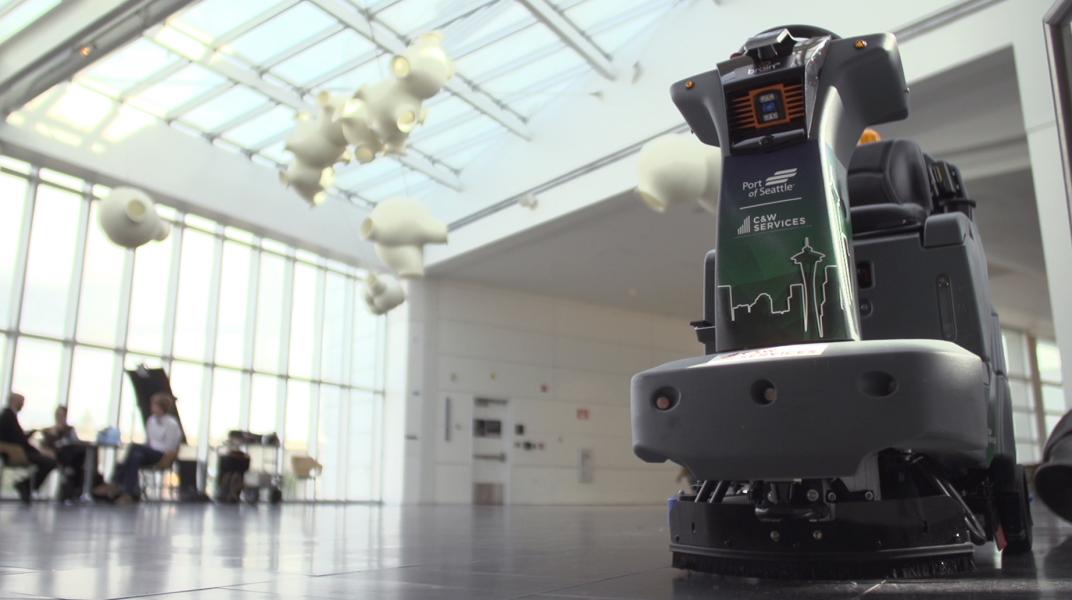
{"points": [[1040, 124]]}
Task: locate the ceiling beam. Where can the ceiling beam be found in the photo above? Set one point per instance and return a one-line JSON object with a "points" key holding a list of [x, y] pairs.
{"points": [[572, 35], [67, 39], [391, 42], [225, 66]]}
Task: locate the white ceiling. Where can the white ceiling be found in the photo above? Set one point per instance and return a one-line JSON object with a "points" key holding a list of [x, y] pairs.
{"points": [[619, 253]]}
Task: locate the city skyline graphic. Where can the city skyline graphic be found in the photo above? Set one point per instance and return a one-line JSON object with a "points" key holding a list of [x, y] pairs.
{"points": [[806, 299]]}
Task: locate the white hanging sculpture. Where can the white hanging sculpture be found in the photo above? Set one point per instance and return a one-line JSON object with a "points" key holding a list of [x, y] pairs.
{"points": [[317, 143], [400, 227], [390, 113], [424, 67], [678, 168], [318, 140], [383, 293], [128, 217], [376, 120], [310, 182], [354, 120], [405, 261], [403, 221]]}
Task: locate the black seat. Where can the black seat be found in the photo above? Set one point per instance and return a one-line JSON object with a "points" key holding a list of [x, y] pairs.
{"points": [[888, 187]]}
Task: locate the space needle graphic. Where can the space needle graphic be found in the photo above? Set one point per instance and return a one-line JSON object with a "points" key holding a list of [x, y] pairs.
{"points": [[808, 260]]}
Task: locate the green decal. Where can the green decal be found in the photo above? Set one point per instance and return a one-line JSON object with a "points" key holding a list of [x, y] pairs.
{"points": [[785, 273]]}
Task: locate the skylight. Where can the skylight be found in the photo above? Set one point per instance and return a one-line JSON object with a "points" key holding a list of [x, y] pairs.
{"points": [[238, 71]]}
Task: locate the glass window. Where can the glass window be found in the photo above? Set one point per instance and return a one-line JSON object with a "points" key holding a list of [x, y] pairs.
{"points": [[263, 404], [148, 298], [267, 125], [359, 442], [191, 311], [324, 57], [334, 337], [61, 180], [199, 222], [1053, 399], [221, 109], [1015, 353], [51, 261], [102, 284], [37, 377], [1020, 394], [226, 403], [1024, 426], [92, 373], [313, 410], [209, 19], [330, 443], [1051, 422], [23, 15], [299, 408], [15, 165], [303, 321], [12, 203], [234, 298], [121, 70], [186, 383], [1049, 359], [188, 83], [269, 313], [1027, 453], [366, 346], [5, 341], [241, 235], [286, 29]]}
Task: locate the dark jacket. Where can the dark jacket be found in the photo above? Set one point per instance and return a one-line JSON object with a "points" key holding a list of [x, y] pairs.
{"points": [[10, 430]]}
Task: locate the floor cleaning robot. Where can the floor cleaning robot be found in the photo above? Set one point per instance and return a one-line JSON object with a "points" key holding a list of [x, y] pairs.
{"points": [[851, 415]]}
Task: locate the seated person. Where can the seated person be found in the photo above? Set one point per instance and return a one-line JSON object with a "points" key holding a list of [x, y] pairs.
{"points": [[62, 444], [163, 437], [11, 433]]}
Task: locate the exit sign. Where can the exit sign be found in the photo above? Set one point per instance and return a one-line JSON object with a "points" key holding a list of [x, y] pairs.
{"points": [[582, 414]]}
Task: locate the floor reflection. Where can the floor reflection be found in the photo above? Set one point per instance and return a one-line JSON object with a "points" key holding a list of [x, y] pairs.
{"points": [[305, 551]]}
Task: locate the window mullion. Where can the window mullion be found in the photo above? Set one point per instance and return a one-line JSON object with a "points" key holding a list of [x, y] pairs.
{"points": [[1036, 392], [211, 322], [171, 302], [74, 296], [249, 338], [284, 349], [18, 279]]}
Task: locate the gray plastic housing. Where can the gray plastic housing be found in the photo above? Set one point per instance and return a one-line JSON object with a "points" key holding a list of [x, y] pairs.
{"points": [[863, 72], [831, 411], [933, 283]]}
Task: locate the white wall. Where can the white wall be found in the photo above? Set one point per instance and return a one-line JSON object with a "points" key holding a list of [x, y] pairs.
{"points": [[470, 341]]}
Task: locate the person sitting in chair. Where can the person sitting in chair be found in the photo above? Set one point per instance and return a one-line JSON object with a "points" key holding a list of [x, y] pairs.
{"points": [[15, 440], [61, 443], [163, 436]]}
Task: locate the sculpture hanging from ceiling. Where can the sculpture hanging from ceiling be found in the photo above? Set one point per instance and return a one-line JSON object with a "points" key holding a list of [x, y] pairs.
{"points": [[677, 169], [400, 228], [376, 120], [128, 217], [383, 293]]}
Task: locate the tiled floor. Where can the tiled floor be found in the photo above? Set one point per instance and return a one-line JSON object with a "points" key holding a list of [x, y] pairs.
{"points": [[184, 552]]}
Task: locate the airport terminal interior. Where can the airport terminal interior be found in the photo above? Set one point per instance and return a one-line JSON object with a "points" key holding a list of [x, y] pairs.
{"points": [[496, 299]]}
